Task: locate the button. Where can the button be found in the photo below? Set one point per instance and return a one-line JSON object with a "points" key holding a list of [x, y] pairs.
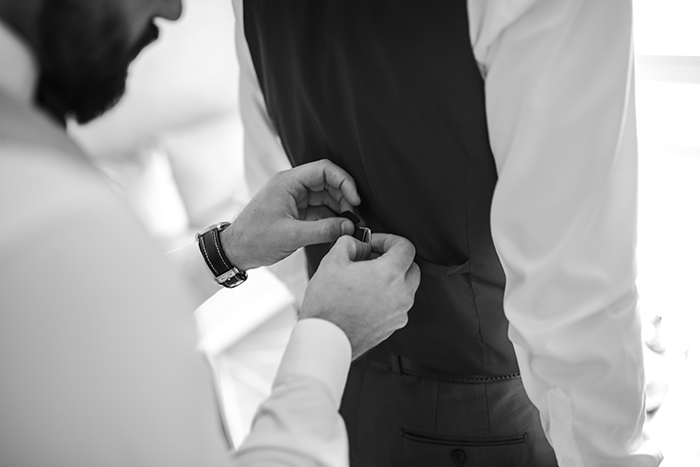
{"points": [[567, 462], [458, 456]]}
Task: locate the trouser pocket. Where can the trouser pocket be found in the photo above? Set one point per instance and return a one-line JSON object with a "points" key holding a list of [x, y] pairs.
{"points": [[436, 450], [429, 438]]}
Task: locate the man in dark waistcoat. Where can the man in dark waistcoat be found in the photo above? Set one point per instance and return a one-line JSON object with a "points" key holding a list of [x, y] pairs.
{"points": [[500, 138]]}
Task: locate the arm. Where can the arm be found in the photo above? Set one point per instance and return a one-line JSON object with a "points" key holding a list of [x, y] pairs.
{"points": [[264, 159], [299, 423], [96, 350], [262, 151], [560, 109], [295, 208]]}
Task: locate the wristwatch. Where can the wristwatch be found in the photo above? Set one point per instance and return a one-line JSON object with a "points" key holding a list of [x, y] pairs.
{"points": [[225, 273]]}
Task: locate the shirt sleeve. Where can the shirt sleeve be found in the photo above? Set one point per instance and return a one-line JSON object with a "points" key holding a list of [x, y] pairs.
{"points": [[188, 260], [299, 424], [560, 109], [263, 154]]}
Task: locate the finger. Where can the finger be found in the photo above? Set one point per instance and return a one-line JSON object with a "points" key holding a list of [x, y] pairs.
{"points": [[323, 198], [321, 231], [345, 205], [394, 249], [348, 248], [413, 277], [329, 196], [403, 322], [326, 173], [314, 213], [374, 255], [336, 193], [337, 178]]}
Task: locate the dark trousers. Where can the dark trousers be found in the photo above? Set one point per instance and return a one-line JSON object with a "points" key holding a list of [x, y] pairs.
{"points": [[404, 420]]}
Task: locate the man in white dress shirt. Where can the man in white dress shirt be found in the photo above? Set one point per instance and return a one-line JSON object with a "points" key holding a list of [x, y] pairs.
{"points": [[423, 102], [97, 360]]}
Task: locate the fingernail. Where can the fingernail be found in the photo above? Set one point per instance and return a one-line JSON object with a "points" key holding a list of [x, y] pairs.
{"points": [[348, 227]]}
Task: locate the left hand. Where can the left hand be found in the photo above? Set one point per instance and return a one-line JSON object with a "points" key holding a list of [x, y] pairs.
{"points": [[295, 208], [365, 290]]}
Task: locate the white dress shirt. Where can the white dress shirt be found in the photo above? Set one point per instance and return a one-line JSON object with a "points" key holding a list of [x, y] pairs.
{"points": [[97, 339], [560, 110]]}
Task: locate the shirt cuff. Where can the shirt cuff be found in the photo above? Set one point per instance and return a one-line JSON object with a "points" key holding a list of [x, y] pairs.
{"points": [[320, 350]]}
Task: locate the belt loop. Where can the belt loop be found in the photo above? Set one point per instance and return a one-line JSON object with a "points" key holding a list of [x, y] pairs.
{"points": [[396, 363]]}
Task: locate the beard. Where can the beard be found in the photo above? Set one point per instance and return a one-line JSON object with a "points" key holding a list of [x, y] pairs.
{"points": [[84, 57]]}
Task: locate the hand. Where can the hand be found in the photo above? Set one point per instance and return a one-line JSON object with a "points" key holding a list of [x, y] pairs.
{"points": [[295, 208], [366, 291]]}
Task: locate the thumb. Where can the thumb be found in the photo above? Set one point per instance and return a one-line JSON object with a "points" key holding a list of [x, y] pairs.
{"points": [[324, 230], [348, 248]]}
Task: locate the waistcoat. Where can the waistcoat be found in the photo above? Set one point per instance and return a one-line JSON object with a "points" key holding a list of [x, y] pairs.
{"points": [[390, 91]]}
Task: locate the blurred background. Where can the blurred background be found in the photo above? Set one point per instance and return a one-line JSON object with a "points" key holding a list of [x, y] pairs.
{"points": [[173, 147], [668, 115]]}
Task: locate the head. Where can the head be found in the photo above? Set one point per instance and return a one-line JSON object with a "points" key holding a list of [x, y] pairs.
{"points": [[84, 48]]}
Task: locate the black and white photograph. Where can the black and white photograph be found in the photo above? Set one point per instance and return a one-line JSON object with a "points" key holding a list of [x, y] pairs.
{"points": [[349, 233]]}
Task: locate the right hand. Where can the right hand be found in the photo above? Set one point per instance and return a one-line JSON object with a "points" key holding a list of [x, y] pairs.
{"points": [[365, 290], [296, 208]]}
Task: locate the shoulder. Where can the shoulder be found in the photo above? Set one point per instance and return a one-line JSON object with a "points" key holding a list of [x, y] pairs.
{"points": [[88, 298], [38, 184]]}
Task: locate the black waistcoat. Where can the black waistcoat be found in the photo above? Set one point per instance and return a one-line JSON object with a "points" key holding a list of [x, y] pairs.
{"points": [[390, 91]]}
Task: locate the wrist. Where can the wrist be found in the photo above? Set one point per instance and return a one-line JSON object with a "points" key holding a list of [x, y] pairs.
{"points": [[235, 249], [211, 247]]}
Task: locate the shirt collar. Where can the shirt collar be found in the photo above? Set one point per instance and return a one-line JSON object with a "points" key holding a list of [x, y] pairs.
{"points": [[18, 68]]}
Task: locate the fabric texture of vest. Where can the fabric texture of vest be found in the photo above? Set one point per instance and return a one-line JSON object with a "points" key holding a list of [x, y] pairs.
{"points": [[390, 91]]}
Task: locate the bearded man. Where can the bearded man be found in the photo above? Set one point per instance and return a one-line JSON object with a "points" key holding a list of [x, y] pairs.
{"points": [[97, 360]]}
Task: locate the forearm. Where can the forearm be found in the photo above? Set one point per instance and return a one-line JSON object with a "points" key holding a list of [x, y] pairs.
{"points": [[564, 218], [262, 152], [190, 260], [299, 424]]}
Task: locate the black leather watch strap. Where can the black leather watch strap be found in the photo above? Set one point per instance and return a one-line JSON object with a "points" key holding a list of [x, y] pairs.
{"points": [[225, 273]]}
